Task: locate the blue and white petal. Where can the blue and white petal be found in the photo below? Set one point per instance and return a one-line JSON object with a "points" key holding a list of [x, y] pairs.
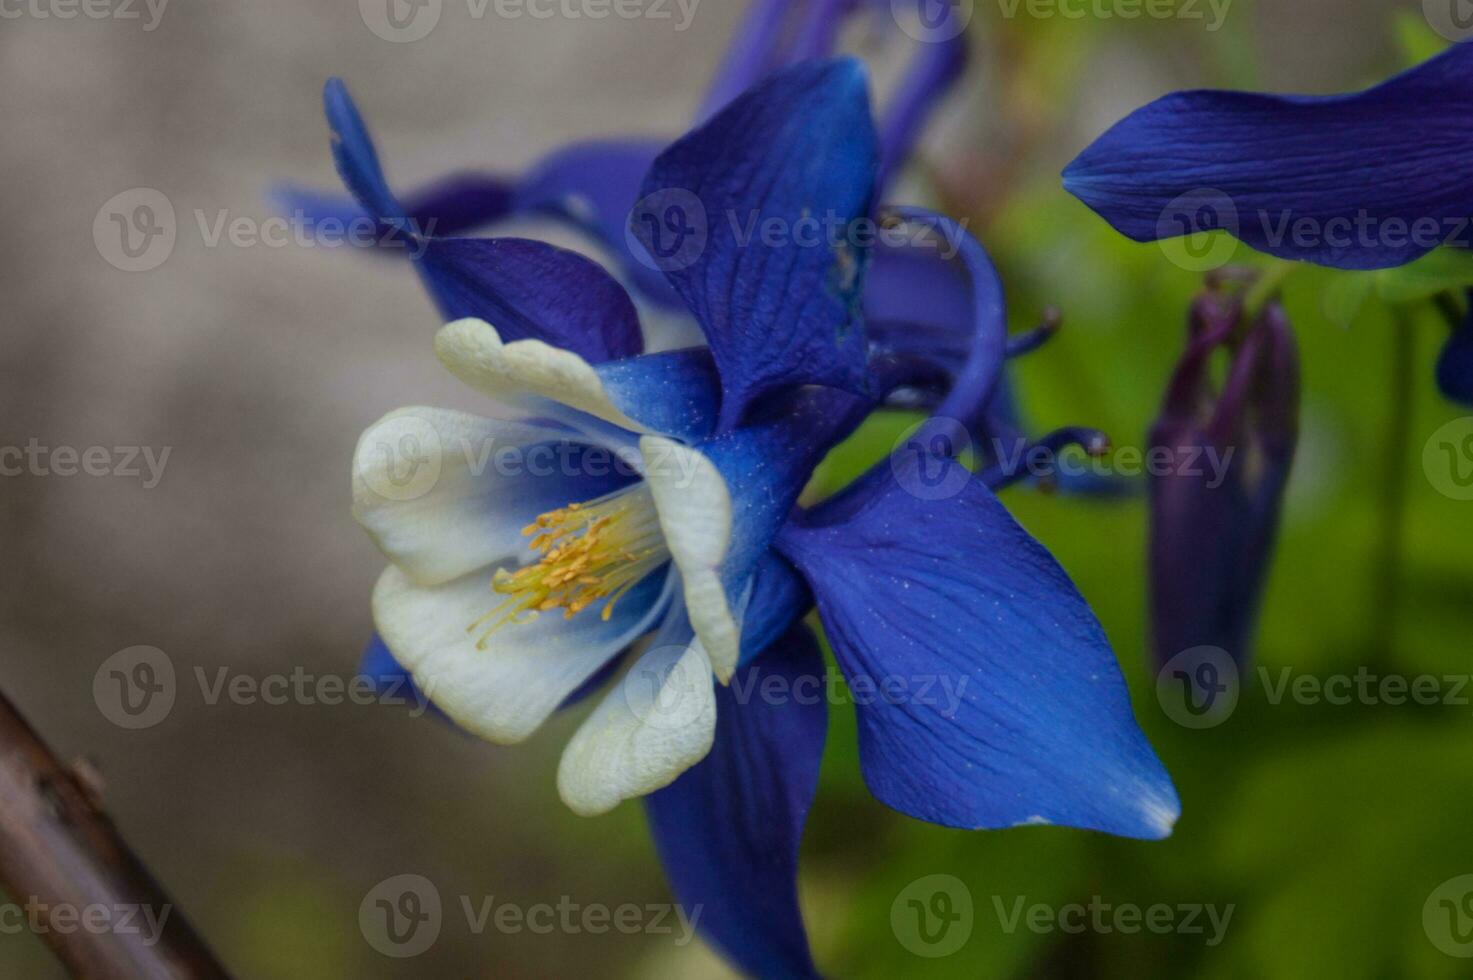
{"points": [[504, 686], [656, 723], [673, 391], [1001, 702], [443, 493]]}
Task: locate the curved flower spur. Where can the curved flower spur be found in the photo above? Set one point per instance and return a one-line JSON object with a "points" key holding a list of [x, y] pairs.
{"points": [[512, 591]]}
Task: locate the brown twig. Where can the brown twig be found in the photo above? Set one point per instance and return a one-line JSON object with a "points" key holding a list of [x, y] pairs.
{"points": [[74, 881]]}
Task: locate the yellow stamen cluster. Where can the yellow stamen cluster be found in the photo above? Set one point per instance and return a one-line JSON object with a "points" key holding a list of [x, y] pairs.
{"points": [[590, 552]]}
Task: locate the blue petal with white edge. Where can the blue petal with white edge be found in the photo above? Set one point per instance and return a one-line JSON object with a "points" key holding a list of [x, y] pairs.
{"points": [[752, 212], [728, 830], [1338, 180], [721, 503], [672, 393], [1011, 709]]}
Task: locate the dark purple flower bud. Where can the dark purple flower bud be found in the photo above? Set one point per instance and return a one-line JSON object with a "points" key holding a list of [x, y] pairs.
{"points": [[1221, 454]]}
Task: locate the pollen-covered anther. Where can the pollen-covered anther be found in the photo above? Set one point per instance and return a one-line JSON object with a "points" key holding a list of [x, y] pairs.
{"points": [[591, 552]]}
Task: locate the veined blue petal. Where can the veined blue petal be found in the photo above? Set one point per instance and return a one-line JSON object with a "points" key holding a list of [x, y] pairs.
{"points": [[1026, 718], [1340, 180], [761, 201], [530, 289], [728, 830]]}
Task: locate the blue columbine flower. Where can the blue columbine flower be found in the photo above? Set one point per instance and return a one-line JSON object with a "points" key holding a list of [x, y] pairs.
{"points": [[1368, 180], [694, 541], [1215, 507]]}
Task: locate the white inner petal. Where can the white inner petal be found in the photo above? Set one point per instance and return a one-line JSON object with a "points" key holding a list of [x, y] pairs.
{"points": [[694, 505], [656, 723], [504, 689], [511, 372], [443, 493]]}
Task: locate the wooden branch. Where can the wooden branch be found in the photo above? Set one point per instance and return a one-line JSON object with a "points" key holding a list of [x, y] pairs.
{"points": [[73, 880]]}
